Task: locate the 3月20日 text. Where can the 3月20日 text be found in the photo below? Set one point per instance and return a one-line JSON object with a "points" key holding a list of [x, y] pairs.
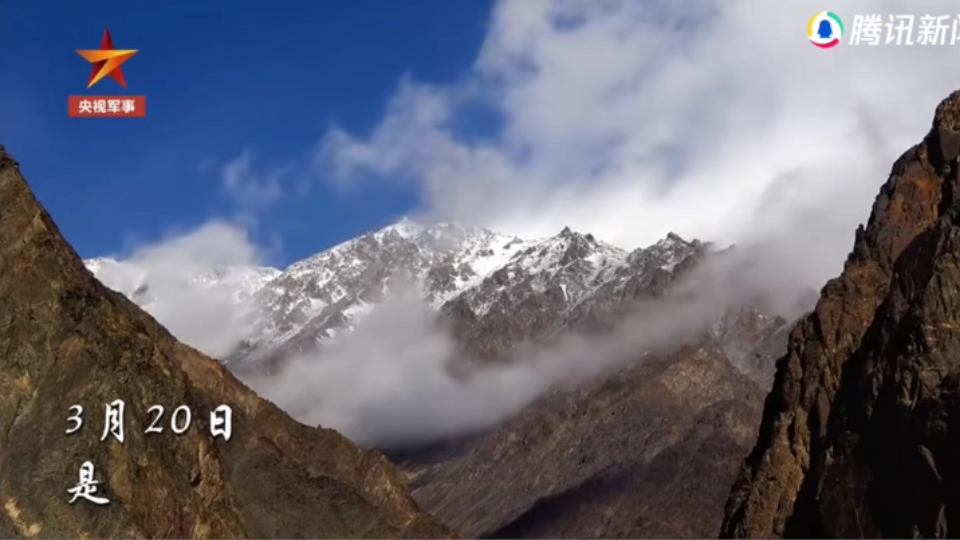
{"points": [[178, 421]]}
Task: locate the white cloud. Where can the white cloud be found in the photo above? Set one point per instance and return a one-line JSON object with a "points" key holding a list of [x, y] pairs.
{"points": [[208, 317], [250, 189], [399, 379], [713, 118]]}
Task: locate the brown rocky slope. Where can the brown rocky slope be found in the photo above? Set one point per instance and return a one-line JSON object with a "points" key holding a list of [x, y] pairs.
{"points": [[67, 339], [632, 454], [861, 433]]}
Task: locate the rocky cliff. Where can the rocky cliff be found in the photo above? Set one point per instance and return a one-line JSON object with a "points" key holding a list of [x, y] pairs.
{"points": [[632, 454], [861, 433], [68, 340]]}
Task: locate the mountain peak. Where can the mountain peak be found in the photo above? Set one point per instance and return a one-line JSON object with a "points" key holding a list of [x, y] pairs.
{"points": [[947, 115], [405, 228], [674, 239], [569, 234]]}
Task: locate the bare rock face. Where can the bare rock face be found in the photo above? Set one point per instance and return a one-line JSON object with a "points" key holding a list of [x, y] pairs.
{"points": [[861, 433], [635, 455], [67, 339], [753, 341]]}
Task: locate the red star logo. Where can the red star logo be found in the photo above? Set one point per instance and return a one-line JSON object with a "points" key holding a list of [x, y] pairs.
{"points": [[107, 61]]}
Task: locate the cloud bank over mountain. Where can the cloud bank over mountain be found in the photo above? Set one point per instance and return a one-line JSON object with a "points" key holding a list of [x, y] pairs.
{"points": [[715, 119], [172, 280], [399, 379]]}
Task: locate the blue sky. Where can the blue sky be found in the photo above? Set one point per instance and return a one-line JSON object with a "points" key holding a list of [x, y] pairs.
{"points": [[220, 79]]}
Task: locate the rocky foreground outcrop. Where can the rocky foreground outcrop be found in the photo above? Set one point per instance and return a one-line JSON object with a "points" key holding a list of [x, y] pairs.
{"points": [[65, 339], [861, 433]]}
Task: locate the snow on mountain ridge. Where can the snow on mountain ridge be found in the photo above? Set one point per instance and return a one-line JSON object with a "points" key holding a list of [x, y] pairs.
{"points": [[406, 228], [322, 296], [574, 262]]}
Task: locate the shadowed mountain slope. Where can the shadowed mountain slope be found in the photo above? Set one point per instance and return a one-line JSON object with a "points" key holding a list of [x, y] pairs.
{"points": [[67, 339], [634, 455], [861, 433]]}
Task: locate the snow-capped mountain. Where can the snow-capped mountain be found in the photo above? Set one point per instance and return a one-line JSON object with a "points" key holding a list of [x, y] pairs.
{"points": [[489, 283], [557, 283], [569, 262], [453, 267], [345, 280], [317, 298]]}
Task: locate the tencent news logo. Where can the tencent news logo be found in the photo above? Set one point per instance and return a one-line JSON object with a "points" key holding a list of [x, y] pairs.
{"points": [[826, 30], [107, 62]]}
